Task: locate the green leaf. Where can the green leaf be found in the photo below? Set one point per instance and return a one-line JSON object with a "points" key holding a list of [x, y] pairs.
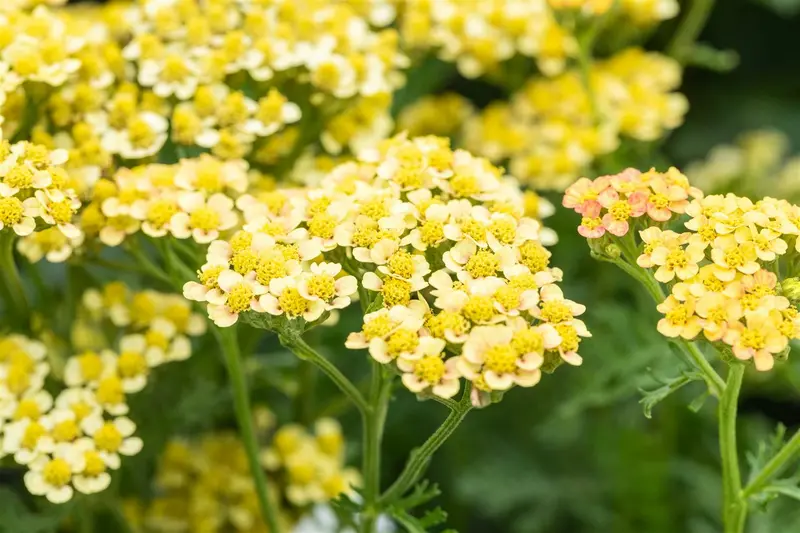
{"points": [[786, 488], [16, 517], [651, 398]]}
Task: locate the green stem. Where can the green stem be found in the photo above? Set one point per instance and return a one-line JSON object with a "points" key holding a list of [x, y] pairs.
{"points": [[302, 350], [374, 421], [689, 29], [147, 265], [734, 511], [690, 349], [419, 458], [18, 309], [773, 467], [244, 417]]}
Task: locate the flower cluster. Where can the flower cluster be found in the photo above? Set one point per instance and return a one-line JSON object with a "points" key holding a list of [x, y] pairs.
{"points": [[193, 199], [206, 484], [445, 251], [74, 440], [640, 12], [479, 36], [723, 275], [310, 467], [36, 192], [442, 115], [613, 204], [553, 129]]}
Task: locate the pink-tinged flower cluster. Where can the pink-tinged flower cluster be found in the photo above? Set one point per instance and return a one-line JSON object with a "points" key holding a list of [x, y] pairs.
{"points": [[612, 204]]}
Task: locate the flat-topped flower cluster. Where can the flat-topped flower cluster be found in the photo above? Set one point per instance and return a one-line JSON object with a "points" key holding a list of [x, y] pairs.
{"points": [[454, 272]]}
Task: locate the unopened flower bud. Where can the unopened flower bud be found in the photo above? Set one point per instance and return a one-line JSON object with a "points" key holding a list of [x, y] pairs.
{"points": [[791, 289], [613, 251]]}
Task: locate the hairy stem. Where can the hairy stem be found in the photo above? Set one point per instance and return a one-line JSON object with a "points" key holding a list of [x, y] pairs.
{"points": [[373, 426], [244, 417], [302, 350], [734, 510], [18, 308], [420, 457]]}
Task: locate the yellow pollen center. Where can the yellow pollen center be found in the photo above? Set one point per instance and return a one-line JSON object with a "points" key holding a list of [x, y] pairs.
{"points": [[292, 303], [57, 473], [464, 185], [430, 369], [94, 464], [527, 341], [323, 286], [160, 212], [19, 177], [479, 309], [65, 431], [244, 261], [482, 264], [322, 226], [679, 315], [108, 438], [10, 211], [555, 311], [209, 276], [396, 292], [431, 232], [402, 341], [621, 210], [91, 366], [753, 339], [27, 408], [660, 201], [205, 219], [401, 263], [378, 327], [131, 364], [501, 359], [239, 298], [110, 392], [504, 230], [33, 432]]}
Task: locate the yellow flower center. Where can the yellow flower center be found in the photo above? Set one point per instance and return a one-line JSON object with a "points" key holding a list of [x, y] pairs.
{"points": [[534, 256], [465, 185], [210, 275], [156, 339], [301, 472], [269, 268], [679, 315], [569, 337], [94, 464], [591, 223], [501, 359], [81, 410], [10, 211], [159, 212], [19, 177], [447, 321], [174, 69], [322, 286], [555, 311], [508, 297], [375, 209], [33, 432], [474, 229], [482, 264], [131, 364], [677, 259], [713, 284], [57, 473], [270, 108], [292, 303], [527, 341], [322, 226], [27, 408], [430, 369], [205, 219], [378, 327], [66, 431], [241, 240], [660, 201], [140, 134], [110, 392], [408, 178], [244, 261], [209, 179], [504, 230], [327, 76], [239, 298], [108, 438], [402, 341], [753, 339], [18, 379], [396, 292], [401, 263], [479, 309], [734, 257], [431, 232]]}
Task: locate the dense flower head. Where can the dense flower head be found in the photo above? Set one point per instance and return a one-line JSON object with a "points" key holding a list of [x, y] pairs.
{"points": [[36, 193], [613, 204], [724, 275], [478, 36], [73, 440], [442, 244], [204, 484], [554, 128]]}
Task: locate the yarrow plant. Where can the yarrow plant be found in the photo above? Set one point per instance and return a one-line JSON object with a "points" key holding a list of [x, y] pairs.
{"points": [[725, 283], [191, 191]]}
